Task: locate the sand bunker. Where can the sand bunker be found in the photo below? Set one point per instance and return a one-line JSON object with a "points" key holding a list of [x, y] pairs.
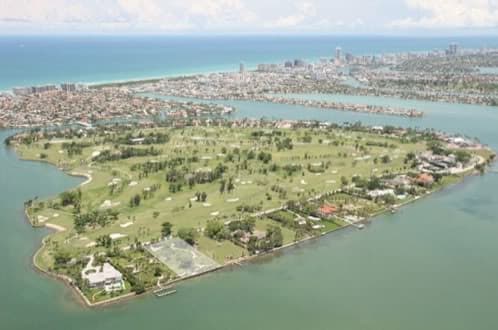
{"points": [[108, 204], [115, 236], [41, 218]]}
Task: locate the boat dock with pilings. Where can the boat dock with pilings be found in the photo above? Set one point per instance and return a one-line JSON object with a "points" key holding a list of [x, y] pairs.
{"points": [[164, 291]]}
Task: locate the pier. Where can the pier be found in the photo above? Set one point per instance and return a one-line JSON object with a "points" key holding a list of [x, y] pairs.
{"points": [[164, 291]]}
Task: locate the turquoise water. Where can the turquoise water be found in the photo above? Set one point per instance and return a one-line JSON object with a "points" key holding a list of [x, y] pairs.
{"points": [[488, 70], [38, 60], [471, 120], [430, 266]]}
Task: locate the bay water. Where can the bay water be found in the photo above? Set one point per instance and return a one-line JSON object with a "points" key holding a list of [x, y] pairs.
{"points": [[433, 265]]}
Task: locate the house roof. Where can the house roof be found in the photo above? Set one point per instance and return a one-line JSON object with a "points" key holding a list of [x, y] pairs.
{"points": [[101, 274], [425, 178], [328, 209]]}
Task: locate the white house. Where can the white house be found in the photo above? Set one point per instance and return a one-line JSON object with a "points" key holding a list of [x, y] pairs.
{"points": [[104, 276], [380, 192]]}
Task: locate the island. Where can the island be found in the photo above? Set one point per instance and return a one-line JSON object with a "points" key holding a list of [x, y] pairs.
{"points": [[169, 200], [459, 76]]}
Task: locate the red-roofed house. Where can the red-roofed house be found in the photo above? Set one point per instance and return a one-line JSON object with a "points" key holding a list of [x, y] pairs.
{"points": [[327, 211], [425, 179]]}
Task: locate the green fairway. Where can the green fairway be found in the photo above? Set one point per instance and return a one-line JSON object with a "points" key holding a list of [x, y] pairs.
{"points": [[139, 179]]}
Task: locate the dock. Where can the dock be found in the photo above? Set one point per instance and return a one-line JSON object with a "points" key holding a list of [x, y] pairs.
{"points": [[164, 291], [355, 224]]}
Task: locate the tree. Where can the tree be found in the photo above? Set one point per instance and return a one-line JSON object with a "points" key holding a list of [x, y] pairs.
{"points": [[264, 157], [135, 201], [215, 230], [70, 197], [463, 156], [410, 157], [138, 287], [61, 258], [79, 224], [300, 235], [104, 241], [230, 185], [374, 183], [158, 271], [189, 235], [275, 237], [389, 199], [166, 229], [344, 181], [252, 244], [222, 186], [437, 148]]}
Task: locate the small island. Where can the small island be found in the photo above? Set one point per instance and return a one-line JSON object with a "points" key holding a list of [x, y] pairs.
{"points": [[171, 200]]}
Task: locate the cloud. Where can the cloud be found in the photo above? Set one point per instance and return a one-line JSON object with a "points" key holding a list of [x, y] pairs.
{"points": [[325, 16], [141, 14], [450, 14], [304, 11]]}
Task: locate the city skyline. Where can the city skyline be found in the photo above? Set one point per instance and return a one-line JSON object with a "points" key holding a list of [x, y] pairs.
{"points": [[242, 16]]}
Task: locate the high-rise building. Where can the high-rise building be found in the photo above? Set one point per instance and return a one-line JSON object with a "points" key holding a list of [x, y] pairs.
{"points": [[453, 49], [22, 91], [338, 53], [242, 67], [68, 87], [299, 63], [43, 89]]}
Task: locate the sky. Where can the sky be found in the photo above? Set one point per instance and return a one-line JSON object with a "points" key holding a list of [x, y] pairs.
{"points": [[247, 16]]}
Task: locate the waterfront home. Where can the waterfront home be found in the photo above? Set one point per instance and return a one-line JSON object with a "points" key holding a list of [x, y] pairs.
{"points": [[104, 276], [246, 236], [425, 179], [380, 193], [432, 163], [327, 211], [400, 181]]}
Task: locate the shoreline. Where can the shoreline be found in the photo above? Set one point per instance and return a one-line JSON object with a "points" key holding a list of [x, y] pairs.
{"points": [[83, 300], [129, 80], [240, 262]]}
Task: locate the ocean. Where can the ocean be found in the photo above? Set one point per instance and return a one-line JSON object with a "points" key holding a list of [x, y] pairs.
{"points": [[432, 265], [27, 60]]}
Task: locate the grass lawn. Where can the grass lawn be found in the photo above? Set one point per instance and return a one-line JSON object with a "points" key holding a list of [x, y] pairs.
{"points": [[260, 172]]}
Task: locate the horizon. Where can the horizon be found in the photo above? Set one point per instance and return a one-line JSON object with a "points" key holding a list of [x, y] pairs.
{"points": [[420, 35], [218, 164], [219, 17]]}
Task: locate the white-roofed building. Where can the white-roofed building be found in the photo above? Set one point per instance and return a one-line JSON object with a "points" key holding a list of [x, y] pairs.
{"points": [[103, 276]]}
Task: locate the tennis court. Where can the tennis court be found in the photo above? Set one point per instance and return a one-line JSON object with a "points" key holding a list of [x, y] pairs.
{"points": [[181, 257]]}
